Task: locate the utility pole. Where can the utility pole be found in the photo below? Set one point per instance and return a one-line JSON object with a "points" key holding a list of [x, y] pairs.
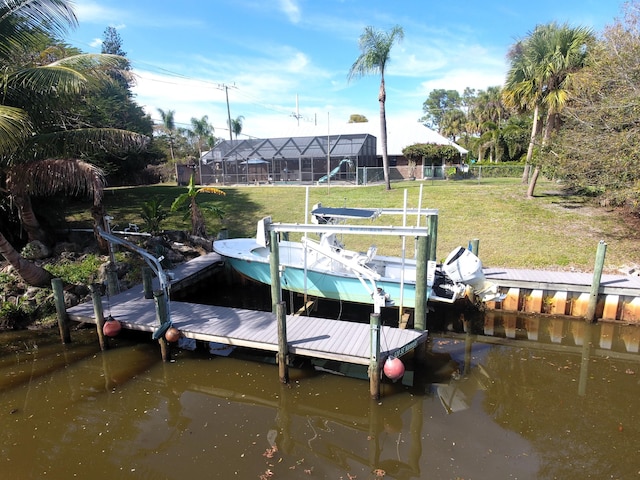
{"points": [[226, 92]]}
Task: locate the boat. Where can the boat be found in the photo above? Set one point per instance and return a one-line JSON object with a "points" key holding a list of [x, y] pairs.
{"points": [[325, 268]]}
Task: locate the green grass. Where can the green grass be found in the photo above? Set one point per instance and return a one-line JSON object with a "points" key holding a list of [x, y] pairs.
{"points": [[551, 231]]}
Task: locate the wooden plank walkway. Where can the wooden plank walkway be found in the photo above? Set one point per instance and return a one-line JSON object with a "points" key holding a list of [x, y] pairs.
{"points": [[307, 336], [561, 280]]}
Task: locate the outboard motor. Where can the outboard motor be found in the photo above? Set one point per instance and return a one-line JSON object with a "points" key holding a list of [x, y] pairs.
{"points": [[463, 266]]}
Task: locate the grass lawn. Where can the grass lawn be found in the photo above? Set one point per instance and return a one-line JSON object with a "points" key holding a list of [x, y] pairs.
{"points": [[551, 231]]}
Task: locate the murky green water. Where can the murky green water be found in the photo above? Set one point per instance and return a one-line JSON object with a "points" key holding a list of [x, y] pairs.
{"points": [[521, 398]]}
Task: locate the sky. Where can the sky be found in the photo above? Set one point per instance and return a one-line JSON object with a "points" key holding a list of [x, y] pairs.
{"points": [[285, 63]]}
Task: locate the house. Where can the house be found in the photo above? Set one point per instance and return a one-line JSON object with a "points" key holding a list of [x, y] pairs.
{"points": [[350, 152]]}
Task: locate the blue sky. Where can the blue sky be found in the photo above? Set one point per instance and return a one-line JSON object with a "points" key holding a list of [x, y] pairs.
{"points": [[270, 51]]}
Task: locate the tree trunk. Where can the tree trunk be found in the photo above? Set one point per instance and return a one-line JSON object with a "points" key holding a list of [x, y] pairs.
{"points": [[29, 220], [98, 212], [548, 128], [532, 183], [29, 271], [383, 134], [532, 141], [198, 227]]}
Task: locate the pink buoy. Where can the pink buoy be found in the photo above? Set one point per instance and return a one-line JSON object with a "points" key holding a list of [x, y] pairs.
{"points": [[111, 327], [172, 335], [393, 368]]}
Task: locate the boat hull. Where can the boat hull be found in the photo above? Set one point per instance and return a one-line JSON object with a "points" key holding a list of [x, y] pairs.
{"points": [[317, 280]]}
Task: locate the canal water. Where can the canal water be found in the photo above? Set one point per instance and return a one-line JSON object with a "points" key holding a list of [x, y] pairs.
{"points": [[501, 397]]}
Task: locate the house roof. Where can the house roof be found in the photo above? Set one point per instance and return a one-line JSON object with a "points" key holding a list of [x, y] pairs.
{"points": [[400, 133]]}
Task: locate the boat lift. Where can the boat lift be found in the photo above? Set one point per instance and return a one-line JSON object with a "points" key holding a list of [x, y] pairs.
{"points": [[156, 267]]}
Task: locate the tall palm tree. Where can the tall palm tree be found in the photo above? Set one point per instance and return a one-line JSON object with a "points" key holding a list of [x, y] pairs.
{"points": [[236, 125], [40, 142], [202, 131], [169, 127], [375, 48], [542, 67]]}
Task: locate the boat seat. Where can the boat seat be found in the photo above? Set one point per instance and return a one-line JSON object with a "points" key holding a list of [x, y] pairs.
{"points": [[366, 258]]}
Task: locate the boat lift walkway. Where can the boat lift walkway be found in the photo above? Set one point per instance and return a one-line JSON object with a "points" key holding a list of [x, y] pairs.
{"points": [[314, 337]]}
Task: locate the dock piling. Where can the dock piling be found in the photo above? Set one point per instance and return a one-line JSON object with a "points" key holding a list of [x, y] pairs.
{"points": [[374, 363], [420, 311], [474, 246], [283, 346], [63, 322], [98, 312], [147, 282], [274, 264], [595, 285], [162, 317]]}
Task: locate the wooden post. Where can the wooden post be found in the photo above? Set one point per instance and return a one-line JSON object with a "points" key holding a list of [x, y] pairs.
{"points": [[283, 346], [595, 285], [432, 223], [161, 315], [147, 282], [374, 362], [61, 311], [112, 279], [420, 312], [274, 263], [475, 245], [585, 359], [98, 312]]}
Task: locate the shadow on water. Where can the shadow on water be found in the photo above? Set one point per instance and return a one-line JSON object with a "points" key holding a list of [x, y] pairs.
{"points": [[501, 396]]}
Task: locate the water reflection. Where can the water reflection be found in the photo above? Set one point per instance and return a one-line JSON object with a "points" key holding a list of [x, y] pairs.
{"points": [[501, 397]]}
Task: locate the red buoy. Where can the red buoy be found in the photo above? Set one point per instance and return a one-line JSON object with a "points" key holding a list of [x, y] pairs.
{"points": [[393, 368], [111, 327], [172, 335]]}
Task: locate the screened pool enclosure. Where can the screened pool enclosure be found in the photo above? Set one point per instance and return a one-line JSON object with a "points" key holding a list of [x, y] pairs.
{"points": [[287, 160]]}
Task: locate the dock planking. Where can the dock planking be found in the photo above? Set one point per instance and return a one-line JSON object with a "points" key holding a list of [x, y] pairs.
{"points": [[314, 337]]}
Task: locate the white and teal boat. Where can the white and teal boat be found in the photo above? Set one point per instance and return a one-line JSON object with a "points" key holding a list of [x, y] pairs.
{"points": [[326, 269]]}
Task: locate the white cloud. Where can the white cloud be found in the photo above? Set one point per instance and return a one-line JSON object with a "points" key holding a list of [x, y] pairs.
{"points": [[291, 9]]}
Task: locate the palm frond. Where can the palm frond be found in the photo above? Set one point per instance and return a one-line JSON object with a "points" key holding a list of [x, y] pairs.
{"points": [[14, 128], [51, 176], [83, 141], [22, 20]]}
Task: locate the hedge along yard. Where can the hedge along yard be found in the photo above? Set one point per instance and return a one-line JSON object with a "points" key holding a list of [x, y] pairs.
{"points": [[553, 231]]}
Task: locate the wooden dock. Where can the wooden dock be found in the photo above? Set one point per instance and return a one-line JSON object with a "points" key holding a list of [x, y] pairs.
{"points": [[307, 336], [566, 293]]}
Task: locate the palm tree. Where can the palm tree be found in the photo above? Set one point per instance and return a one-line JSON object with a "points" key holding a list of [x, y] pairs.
{"points": [[169, 127], [202, 131], [40, 141], [542, 67], [236, 125], [375, 47], [193, 210]]}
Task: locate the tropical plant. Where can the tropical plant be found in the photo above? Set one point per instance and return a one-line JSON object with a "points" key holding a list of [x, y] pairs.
{"points": [[542, 68], [187, 202], [236, 125], [597, 151], [153, 214], [42, 139], [168, 129], [375, 48]]}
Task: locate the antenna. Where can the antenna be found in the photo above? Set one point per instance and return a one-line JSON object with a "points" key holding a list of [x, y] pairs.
{"points": [[296, 114]]}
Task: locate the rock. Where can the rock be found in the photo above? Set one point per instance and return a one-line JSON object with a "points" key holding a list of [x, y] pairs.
{"points": [[36, 250]]}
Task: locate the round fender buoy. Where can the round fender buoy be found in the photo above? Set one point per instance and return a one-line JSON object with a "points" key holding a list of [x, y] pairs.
{"points": [[172, 335], [393, 368], [111, 327]]}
